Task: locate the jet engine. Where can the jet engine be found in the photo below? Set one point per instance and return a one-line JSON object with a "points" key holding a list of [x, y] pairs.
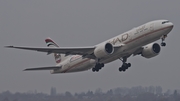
{"points": [[151, 50], [103, 50]]}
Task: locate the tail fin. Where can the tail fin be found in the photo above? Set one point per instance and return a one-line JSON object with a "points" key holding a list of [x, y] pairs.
{"points": [[51, 43]]}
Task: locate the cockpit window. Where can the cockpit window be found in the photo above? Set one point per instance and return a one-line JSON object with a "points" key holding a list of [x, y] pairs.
{"points": [[165, 22]]}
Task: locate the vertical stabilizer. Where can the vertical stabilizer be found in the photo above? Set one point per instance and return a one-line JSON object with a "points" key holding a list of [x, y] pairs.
{"points": [[51, 43]]}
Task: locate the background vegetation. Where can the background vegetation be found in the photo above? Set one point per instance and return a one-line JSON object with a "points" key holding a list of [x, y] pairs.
{"points": [[139, 93]]}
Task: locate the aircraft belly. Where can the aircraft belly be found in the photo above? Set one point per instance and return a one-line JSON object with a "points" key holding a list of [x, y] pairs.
{"points": [[80, 65], [118, 56]]}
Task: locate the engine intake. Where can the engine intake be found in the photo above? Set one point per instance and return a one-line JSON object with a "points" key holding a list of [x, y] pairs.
{"points": [[103, 50], [151, 50]]}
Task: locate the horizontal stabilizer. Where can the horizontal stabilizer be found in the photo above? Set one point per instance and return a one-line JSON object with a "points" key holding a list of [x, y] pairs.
{"points": [[44, 68]]}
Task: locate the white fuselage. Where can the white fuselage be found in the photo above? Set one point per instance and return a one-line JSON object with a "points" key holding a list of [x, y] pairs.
{"points": [[132, 40]]}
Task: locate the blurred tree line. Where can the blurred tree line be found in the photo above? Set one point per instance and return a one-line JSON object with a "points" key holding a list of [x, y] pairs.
{"points": [[138, 93]]}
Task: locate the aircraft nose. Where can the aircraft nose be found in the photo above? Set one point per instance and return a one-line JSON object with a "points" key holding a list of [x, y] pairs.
{"points": [[171, 25]]}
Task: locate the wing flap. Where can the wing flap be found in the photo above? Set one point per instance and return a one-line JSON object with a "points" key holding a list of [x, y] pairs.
{"points": [[43, 68]]}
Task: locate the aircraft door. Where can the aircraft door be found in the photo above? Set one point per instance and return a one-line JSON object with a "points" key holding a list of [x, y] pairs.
{"points": [[151, 27], [129, 34]]}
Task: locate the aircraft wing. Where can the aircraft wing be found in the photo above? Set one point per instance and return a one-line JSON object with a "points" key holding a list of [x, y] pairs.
{"points": [[44, 68], [61, 50], [86, 52]]}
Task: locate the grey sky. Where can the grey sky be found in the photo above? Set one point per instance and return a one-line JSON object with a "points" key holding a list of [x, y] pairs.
{"points": [[83, 23]]}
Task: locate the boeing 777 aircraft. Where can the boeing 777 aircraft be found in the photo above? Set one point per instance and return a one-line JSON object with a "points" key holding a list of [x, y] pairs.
{"points": [[138, 41]]}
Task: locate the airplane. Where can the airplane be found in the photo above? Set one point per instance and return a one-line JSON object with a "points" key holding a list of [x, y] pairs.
{"points": [[137, 41]]}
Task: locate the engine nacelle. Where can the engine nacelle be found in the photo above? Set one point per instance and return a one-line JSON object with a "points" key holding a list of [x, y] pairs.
{"points": [[151, 50], [103, 50]]}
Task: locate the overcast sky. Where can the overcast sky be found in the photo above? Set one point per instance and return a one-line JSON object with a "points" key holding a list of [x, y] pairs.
{"points": [[83, 23]]}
